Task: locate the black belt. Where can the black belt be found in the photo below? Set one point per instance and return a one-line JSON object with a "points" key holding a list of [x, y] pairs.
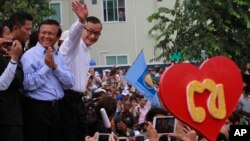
{"points": [[44, 102], [72, 92]]}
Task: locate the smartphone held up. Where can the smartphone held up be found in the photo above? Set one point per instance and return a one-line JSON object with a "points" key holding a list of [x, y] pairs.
{"points": [[164, 124]]}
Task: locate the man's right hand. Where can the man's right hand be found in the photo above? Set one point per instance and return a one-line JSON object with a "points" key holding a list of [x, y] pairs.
{"points": [[3, 42], [48, 57], [16, 50], [80, 10]]}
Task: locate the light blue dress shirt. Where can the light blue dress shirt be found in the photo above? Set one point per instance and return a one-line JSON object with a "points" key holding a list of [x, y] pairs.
{"points": [[40, 81], [7, 76]]}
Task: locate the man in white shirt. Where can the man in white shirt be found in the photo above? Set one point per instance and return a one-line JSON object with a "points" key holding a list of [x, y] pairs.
{"points": [[244, 102], [76, 50]]}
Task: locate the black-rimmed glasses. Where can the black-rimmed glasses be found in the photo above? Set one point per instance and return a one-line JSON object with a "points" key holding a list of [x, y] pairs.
{"points": [[90, 32]]}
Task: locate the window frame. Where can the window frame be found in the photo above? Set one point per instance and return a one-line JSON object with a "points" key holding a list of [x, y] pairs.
{"points": [[60, 7], [116, 59], [117, 11]]}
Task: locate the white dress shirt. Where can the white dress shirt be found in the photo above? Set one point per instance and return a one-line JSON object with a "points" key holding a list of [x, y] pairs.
{"points": [[8, 75], [77, 55]]}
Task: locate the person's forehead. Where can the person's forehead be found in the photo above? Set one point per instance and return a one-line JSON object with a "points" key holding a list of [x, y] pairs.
{"points": [[48, 27]]}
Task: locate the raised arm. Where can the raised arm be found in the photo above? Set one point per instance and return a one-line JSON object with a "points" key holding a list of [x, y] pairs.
{"points": [[10, 71], [70, 45], [80, 10]]}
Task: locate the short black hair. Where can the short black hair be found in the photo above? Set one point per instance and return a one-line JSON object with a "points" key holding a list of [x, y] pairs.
{"points": [[109, 104], [51, 22], [18, 19], [155, 111], [93, 20], [234, 117]]}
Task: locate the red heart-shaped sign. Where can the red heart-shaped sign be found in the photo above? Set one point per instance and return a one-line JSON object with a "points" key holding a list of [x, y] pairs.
{"points": [[202, 97]]}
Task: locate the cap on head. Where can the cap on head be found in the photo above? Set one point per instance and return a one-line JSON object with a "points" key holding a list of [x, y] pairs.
{"points": [[125, 92], [100, 90], [64, 35]]}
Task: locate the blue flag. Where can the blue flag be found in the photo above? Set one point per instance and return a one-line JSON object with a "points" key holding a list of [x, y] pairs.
{"points": [[139, 77]]}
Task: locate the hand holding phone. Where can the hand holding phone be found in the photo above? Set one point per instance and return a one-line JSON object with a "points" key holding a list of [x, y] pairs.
{"points": [[106, 137], [123, 139], [139, 138], [103, 137], [5, 45]]}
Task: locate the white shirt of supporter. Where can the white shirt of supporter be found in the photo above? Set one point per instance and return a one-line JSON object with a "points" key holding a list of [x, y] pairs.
{"points": [[77, 55]]}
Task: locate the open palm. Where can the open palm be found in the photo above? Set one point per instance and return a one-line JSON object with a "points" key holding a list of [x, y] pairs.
{"points": [[80, 10]]}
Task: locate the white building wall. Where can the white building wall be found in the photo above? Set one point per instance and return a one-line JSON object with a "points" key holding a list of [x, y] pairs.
{"points": [[121, 38]]}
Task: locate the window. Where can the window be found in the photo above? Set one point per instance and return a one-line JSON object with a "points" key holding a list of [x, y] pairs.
{"points": [[57, 15], [122, 60], [117, 60], [81, 1], [94, 1], [114, 10]]}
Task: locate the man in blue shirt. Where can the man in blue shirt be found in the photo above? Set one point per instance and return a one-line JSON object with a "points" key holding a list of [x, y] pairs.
{"points": [[46, 75]]}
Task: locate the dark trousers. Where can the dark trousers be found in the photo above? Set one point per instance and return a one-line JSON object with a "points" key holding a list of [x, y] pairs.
{"points": [[42, 120], [11, 133], [74, 116]]}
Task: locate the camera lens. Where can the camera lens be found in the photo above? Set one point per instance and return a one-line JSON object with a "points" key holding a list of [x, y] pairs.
{"points": [[8, 46]]}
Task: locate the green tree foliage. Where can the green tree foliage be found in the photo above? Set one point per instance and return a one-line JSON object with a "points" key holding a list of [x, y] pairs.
{"points": [[199, 29], [39, 9]]}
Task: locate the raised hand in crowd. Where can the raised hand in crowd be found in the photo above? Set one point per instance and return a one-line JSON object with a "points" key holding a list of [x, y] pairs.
{"points": [[184, 133], [152, 133], [80, 10], [96, 136]]}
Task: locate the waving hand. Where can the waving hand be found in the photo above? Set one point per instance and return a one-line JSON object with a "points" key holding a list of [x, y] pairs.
{"points": [[81, 10]]}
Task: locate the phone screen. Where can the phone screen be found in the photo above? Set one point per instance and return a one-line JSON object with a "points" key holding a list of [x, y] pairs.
{"points": [[164, 124], [103, 137], [139, 138], [123, 139]]}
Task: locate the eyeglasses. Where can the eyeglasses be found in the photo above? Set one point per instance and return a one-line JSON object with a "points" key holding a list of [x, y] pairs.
{"points": [[96, 33]]}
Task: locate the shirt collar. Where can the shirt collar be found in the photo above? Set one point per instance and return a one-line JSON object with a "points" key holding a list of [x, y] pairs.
{"points": [[43, 49], [85, 48]]}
